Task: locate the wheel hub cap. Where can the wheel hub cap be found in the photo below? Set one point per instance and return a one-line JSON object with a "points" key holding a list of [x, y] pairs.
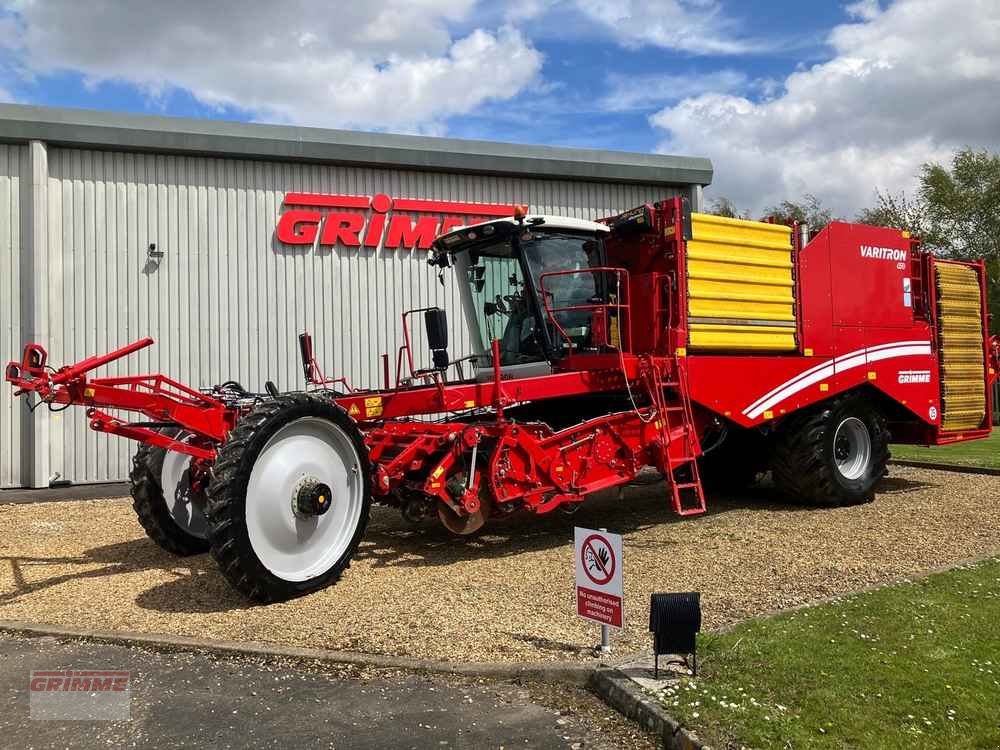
{"points": [[313, 498], [852, 448]]}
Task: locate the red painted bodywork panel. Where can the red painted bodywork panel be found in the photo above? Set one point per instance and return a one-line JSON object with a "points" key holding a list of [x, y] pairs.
{"points": [[859, 327]]}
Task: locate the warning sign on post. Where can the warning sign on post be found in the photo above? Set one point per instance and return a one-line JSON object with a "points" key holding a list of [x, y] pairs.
{"points": [[599, 576]]}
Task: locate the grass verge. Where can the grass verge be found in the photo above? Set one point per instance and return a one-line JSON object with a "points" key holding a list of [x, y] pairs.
{"points": [[985, 453], [909, 666]]}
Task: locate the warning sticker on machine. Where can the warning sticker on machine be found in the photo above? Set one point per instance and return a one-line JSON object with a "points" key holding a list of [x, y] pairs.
{"points": [[373, 406]]}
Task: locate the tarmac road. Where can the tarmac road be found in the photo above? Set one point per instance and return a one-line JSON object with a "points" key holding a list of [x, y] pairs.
{"points": [[185, 700]]}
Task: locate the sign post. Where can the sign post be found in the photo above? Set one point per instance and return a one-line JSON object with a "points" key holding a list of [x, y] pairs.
{"points": [[599, 592]]}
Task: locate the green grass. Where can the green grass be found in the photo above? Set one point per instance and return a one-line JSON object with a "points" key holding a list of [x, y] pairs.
{"points": [[973, 453], [915, 665]]}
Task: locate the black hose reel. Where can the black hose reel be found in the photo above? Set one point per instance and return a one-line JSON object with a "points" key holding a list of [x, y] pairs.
{"points": [[675, 621]]}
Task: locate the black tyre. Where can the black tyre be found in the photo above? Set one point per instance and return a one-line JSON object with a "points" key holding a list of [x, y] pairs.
{"points": [[169, 511], [289, 498], [833, 454]]}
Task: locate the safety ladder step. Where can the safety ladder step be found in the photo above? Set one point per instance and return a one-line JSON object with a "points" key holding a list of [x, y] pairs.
{"points": [[688, 498]]}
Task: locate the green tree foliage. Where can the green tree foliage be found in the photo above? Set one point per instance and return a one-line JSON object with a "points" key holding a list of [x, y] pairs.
{"points": [[809, 211], [956, 213], [901, 212], [722, 206]]}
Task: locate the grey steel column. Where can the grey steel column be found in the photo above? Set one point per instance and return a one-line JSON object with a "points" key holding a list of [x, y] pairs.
{"points": [[35, 468]]}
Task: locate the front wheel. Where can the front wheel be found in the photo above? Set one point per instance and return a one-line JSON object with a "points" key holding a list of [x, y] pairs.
{"points": [[289, 498], [833, 454]]}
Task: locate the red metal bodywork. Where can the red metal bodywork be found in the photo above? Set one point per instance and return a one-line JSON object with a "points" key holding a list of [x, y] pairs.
{"points": [[854, 332]]}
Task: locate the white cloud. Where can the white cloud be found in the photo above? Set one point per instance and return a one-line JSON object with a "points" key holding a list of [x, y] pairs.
{"points": [[866, 10], [695, 26], [637, 92], [384, 64], [908, 84]]}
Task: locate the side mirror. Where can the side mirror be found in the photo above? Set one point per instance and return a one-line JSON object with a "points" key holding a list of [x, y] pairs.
{"points": [[306, 353], [436, 322]]}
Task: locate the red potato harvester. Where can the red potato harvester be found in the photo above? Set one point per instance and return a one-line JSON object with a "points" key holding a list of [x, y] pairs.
{"points": [[711, 349]]}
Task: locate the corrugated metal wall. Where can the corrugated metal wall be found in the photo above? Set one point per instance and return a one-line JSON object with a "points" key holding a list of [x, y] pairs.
{"points": [[11, 164], [226, 301]]}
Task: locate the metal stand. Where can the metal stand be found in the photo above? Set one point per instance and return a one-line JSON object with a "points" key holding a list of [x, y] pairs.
{"points": [[605, 631], [693, 664]]}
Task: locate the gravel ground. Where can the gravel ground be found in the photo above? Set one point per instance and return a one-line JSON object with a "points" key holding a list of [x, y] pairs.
{"points": [[506, 595]]}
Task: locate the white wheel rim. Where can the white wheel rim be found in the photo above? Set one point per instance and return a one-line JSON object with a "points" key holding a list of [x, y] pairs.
{"points": [[293, 546], [183, 504], [852, 448]]}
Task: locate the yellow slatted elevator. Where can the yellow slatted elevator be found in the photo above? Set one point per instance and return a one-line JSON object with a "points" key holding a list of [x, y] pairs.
{"points": [[740, 285]]}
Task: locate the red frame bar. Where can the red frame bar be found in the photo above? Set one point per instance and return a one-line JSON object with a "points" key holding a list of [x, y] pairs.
{"points": [[620, 306]]}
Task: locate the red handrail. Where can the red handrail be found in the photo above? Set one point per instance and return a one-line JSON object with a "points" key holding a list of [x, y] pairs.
{"points": [[620, 304]]}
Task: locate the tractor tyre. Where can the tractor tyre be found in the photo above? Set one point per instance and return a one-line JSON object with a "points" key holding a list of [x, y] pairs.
{"points": [[833, 454], [171, 514], [289, 498]]}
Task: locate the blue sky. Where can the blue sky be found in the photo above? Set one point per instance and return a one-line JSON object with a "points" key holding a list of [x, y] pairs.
{"points": [[786, 97]]}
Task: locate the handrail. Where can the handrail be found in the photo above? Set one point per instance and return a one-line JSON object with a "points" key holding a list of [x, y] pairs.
{"points": [[621, 304]]}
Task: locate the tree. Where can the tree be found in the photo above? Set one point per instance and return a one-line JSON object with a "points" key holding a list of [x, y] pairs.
{"points": [[722, 206], [956, 213], [901, 212], [964, 203], [808, 211]]}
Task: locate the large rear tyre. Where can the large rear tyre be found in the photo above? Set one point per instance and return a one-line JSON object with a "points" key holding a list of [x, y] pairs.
{"points": [[833, 454], [289, 498], [169, 510]]}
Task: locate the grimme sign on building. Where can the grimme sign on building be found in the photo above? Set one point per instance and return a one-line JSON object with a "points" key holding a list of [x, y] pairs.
{"points": [[376, 221]]}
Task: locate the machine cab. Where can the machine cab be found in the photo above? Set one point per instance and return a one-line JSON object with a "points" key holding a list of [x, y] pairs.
{"points": [[532, 283]]}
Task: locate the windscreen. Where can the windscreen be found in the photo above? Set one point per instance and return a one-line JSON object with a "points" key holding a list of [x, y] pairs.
{"points": [[505, 306]]}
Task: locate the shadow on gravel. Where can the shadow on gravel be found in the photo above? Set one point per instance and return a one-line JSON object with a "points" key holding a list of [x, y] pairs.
{"points": [[132, 556], [392, 542], [897, 485], [202, 591]]}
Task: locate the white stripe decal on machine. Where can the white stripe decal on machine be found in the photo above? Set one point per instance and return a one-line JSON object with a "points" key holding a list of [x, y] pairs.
{"points": [[831, 367], [826, 364]]}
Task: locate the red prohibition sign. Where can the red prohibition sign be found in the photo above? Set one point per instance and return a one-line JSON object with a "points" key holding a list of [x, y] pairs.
{"points": [[605, 568]]}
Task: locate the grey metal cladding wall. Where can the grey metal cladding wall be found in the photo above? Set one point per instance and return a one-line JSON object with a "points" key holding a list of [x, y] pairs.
{"points": [[227, 301], [11, 165]]}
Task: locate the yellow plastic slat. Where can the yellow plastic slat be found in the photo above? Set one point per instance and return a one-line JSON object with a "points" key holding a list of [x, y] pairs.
{"points": [[739, 311], [739, 338]]}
